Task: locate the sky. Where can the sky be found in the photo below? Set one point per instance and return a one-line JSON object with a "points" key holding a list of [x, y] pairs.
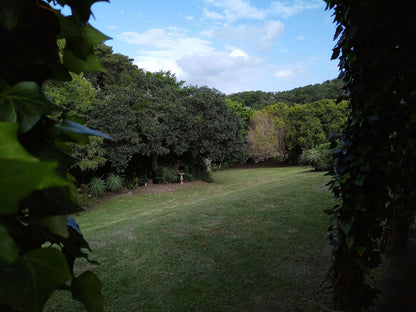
{"points": [[229, 45]]}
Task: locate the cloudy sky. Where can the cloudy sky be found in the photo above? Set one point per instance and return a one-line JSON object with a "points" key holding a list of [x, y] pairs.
{"points": [[230, 45]]}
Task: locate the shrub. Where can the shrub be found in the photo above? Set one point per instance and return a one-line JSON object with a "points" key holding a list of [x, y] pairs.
{"points": [[165, 175], [114, 182], [97, 186], [320, 157], [137, 181]]}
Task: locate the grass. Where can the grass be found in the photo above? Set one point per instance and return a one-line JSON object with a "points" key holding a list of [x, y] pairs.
{"points": [[253, 240]]}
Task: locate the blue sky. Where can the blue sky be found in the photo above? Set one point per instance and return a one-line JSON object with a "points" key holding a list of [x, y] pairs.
{"points": [[230, 45]]}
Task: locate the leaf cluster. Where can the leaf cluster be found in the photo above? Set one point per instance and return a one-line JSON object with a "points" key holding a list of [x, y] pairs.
{"points": [[375, 167], [38, 243]]}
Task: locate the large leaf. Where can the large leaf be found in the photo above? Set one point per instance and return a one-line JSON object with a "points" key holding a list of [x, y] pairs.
{"points": [[72, 127], [79, 48], [8, 249], [55, 224], [21, 173], [27, 285], [50, 201], [81, 9], [25, 103], [87, 289]]}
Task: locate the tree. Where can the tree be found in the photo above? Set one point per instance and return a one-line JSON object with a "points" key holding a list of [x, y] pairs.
{"points": [[38, 242], [265, 138], [215, 129], [375, 178], [74, 97], [267, 132]]}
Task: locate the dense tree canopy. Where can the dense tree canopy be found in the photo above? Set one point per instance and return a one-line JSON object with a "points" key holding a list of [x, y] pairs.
{"points": [[330, 89], [282, 132]]}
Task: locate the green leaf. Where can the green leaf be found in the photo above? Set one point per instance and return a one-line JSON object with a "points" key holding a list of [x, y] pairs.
{"points": [[80, 40], [10, 147], [87, 290], [21, 173], [10, 13], [349, 240], [360, 250], [76, 128], [25, 103], [50, 201], [55, 224], [8, 249], [345, 226], [81, 9], [27, 285]]}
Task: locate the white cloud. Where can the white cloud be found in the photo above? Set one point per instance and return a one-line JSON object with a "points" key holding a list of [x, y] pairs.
{"points": [[262, 37], [283, 9], [232, 10], [291, 72], [163, 47], [300, 37], [192, 59], [223, 70]]}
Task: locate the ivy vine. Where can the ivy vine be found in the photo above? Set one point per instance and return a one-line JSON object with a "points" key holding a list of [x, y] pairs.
{"points": [[375, 173], [38, 243]]}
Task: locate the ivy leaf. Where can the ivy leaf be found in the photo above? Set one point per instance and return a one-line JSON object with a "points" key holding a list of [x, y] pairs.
{"points": [[55, 224], [72, 128], [8, 249], [79, 48], [21, 172], [81, 9], [345, 226], [50, 201], [349, 240], [25, 103], [27, 285], [87, 290]]}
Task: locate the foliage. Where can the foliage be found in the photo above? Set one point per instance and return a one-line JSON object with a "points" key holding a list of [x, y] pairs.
{"points": [[320, 157], [97, 186], [375, 173], [258, 100], [266, 137], [114, 182], [137, 181], [244, 112], [284, 132], [38, 245], [165, 175], [215, 130], [74, 97], [90, 156]]}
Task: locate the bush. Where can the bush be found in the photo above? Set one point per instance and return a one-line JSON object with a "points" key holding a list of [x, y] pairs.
{"points": [[320, 157], [97, 186], [114, 182], [137, 181], [165, 175]]}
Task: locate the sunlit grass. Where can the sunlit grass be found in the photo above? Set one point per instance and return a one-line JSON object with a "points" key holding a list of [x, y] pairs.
{"points": [[253, 240]]}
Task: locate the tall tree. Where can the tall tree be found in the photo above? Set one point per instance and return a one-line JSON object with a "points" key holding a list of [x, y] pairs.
{"points": [[375, 177]]}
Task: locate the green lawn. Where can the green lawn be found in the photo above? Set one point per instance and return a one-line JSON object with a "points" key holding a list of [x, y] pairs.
{"points": [[253, 240]]}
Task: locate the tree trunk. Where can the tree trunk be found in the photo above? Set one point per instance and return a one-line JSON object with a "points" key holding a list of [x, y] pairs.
{"points": [[155, 166]]}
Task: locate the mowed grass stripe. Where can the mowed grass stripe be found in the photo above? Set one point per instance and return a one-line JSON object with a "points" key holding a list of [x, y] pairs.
{"points": [[254, 240]]}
